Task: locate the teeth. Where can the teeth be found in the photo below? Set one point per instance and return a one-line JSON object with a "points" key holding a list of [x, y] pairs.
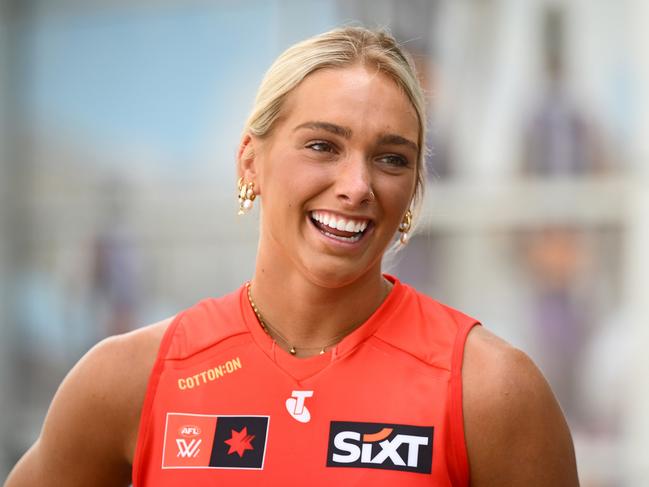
{"points": [[354, 238], [339, 223]]}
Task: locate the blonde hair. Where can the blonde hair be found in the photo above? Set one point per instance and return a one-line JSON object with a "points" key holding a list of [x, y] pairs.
{"points": [[339, 48]]}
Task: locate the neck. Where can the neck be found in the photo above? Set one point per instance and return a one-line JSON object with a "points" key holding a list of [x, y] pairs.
{"points": [[308, 316]]}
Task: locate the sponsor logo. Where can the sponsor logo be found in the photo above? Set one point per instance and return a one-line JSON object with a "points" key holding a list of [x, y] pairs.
{"points": [[239, 442], [211, 441], [209, 375], [296, 408], [378, 445]]}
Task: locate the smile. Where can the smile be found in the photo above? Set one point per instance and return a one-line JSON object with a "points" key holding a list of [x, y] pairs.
{"points": [[338, 227]]}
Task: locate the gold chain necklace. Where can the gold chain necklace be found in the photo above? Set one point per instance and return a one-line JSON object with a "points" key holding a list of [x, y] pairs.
{"points": [[275, 333]]}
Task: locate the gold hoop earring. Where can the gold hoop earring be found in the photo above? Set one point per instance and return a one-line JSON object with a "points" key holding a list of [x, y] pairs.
{"points": [[404, 227], [246, 195]]}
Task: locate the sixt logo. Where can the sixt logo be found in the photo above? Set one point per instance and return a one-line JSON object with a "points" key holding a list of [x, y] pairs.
{"points": [[189, 431], [384, 446]]}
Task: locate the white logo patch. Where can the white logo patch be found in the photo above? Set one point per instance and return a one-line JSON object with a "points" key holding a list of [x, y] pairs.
{"points": [[188, 450], [296, 408]]}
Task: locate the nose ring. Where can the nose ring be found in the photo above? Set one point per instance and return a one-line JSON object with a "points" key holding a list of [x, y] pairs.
{"points": [[372, 195]]}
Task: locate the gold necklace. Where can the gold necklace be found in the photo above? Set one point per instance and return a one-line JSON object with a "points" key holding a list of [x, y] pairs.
{"points": [[275, 333]]}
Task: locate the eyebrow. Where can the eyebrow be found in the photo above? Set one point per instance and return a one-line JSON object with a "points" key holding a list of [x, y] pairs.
{"points": [[346, 132], [394, 139]]}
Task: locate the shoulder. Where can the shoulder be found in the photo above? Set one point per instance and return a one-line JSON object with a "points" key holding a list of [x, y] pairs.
{"points": [[116, 372], [91, 427], [515, 431], [113, 377], [423, 327]]}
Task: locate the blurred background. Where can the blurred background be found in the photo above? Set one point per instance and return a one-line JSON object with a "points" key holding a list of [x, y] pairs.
{"points": [[119, 123]]}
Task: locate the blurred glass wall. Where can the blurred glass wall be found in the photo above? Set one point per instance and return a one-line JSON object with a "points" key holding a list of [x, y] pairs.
{"points": [[119, 123]]}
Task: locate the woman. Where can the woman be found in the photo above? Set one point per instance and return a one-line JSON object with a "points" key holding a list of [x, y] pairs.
{"points": [[320, 370]]}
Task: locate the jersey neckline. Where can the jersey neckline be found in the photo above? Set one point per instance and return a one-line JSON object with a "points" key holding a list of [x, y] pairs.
{"points": [[303, 368]]}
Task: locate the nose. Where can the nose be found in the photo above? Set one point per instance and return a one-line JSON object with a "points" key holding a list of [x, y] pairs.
{"points": [[354, 181]]}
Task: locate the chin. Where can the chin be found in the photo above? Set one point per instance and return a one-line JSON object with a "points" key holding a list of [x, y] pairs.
{"points": [[335, 275]]}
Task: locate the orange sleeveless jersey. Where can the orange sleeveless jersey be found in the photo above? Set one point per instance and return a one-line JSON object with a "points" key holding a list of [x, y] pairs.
{"points": [[225, 406]]}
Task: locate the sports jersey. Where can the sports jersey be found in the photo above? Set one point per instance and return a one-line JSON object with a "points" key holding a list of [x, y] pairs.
{"points": [[226, 406]]}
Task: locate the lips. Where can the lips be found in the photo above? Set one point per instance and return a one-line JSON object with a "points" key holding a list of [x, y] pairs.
{"points": [[338, 227]]}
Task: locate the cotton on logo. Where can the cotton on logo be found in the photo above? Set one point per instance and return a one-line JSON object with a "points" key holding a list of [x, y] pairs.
{"points": [[188, 450], [296, 408]]}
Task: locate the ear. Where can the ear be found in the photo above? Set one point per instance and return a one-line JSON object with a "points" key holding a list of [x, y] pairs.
{"points": [[247, 160]]}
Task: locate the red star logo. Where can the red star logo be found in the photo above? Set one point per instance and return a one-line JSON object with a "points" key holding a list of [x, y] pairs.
{"points": [[240, 442]]}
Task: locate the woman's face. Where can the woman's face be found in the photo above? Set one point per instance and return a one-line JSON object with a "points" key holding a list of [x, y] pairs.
{"points": [[336, 174]]}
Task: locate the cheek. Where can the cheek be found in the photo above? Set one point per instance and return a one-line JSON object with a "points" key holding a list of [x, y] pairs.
{"points": [[280, 204], [397, 194], [295, 184]]}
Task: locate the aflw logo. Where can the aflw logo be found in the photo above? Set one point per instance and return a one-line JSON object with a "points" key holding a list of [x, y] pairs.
{"points": [[189, 431], [384, 446], [188, 450]]}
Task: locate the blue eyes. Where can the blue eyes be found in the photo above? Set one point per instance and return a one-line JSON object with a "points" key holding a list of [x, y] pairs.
{"points": [[393, 160]]}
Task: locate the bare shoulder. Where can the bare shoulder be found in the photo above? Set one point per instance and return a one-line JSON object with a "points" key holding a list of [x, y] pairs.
{"points": [[91, 427], [123, 363], [515, 430]]}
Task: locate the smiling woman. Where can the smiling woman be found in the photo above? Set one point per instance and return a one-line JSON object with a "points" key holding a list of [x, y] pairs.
{"points": [[342, 149], [343, 374]]}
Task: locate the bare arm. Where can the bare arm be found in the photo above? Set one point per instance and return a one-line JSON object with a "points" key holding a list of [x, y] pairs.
{"points": [[90, 431], [516, 433]]}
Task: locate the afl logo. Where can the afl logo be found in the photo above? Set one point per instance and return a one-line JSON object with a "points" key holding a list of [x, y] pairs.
{"points": [[189, 431]]}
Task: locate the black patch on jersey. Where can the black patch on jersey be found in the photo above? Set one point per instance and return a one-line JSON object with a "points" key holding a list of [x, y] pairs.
{"points": [[239, 442], [380, 445]]}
